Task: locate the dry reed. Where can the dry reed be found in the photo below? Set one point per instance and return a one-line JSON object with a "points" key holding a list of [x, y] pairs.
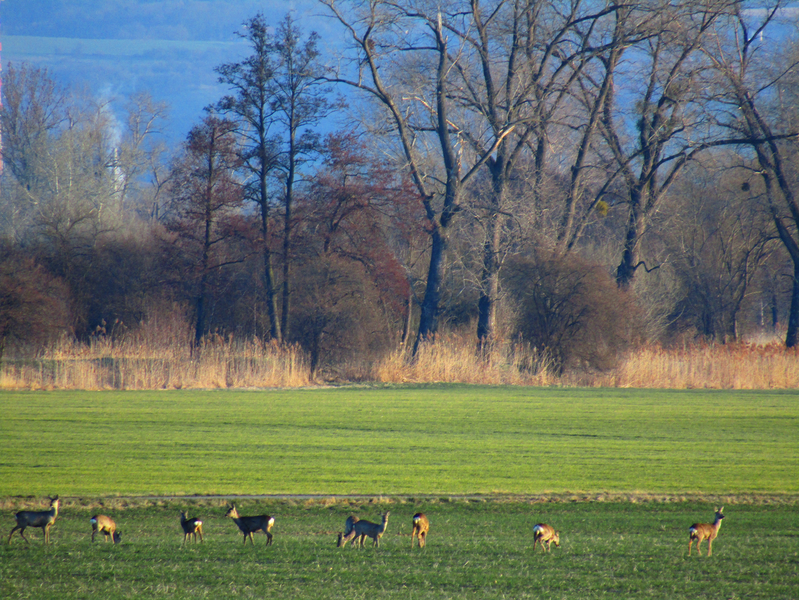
{"points": [[737, 366], [135, 363], [453, 359], [146, 361]]}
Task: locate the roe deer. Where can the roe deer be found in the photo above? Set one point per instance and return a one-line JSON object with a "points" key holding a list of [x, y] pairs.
{"points": [[249, 525], [191, 527], [106, 526], [420, 528], [705, 531], [36, 518], [349, 531], [545, 533], [362, 528]]}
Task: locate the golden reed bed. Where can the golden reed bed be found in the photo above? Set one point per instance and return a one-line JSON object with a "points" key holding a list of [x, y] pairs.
{"points": [[135, 363]]}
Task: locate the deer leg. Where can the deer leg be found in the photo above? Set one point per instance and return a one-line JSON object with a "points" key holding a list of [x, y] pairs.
{"points": [[422, 539], [12, 533], [709, 547]]}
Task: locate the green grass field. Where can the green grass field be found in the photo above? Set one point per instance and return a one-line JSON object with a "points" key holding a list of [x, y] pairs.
{"points": [[398, 440], [430, 448], [475, 550]]}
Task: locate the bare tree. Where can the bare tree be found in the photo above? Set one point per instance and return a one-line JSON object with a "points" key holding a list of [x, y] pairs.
{"points": [[206, 196], [141, 157], [748, 74], [516, 63], [299, 102], [403, 57], [665, 120], [251, 104], [34, 109], [717, 240]]}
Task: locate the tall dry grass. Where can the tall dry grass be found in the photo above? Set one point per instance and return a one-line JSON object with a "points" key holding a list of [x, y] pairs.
{"points": [[710, 366], [453, 359], [155, 358], [738, 366], [145, 360]]}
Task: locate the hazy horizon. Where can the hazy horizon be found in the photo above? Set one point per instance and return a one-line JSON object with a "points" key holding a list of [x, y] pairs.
{"points": [[167, 48]]}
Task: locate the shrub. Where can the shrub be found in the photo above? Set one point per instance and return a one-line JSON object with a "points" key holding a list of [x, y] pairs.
{"points": [[571, 310], [337, 315]]}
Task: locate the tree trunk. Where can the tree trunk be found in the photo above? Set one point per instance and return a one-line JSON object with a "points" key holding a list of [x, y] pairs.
{"points": [[489, 284], [792, 337], [286, 305], [625, 272], [269, 278], [428, 321]]}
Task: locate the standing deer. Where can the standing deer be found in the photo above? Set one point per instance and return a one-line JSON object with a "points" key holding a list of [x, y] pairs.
{"points": [[249, 525], [106, 526], [361, 529], [545, 533], [705, 531], [36, 518], [420, 528], [191, 527]]}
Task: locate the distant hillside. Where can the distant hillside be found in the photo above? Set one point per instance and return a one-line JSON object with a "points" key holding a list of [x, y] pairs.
{"points": [[169, 47]]}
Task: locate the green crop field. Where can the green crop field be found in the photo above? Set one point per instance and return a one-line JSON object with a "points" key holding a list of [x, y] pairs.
{"points": [[475, 550], [482, 462], [398, 440]]}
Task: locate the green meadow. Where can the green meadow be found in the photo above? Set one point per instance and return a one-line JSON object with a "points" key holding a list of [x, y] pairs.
{"points": [[398, 440], [621, 473], [475, 550]]}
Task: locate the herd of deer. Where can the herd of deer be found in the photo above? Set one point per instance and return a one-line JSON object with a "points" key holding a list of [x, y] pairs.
{"points": [[355, 529]]}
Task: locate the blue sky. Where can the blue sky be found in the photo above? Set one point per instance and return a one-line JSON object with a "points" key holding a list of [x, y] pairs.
{"points": [[167, 47]]}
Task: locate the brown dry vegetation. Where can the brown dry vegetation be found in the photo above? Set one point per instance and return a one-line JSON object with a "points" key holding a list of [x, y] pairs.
{"points": [[142, 362]]}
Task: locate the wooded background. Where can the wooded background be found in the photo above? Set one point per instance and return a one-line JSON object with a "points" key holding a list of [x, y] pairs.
{"points": [[570, 177]]}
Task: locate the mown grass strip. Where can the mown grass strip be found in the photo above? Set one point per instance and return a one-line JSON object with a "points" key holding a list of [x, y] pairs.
{"points": [[398, 440]]}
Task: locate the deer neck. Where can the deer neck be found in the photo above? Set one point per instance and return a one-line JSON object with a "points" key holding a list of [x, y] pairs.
{"points": [[717, 524], [383, 525]]}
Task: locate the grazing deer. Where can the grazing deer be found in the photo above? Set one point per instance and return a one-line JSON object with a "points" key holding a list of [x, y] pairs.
{"points": [[191, 527], [36, 518], [705, 531], [106, 526], [361, 529], [420, 528], [545, 533], [349, 531], [249, 525]]}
